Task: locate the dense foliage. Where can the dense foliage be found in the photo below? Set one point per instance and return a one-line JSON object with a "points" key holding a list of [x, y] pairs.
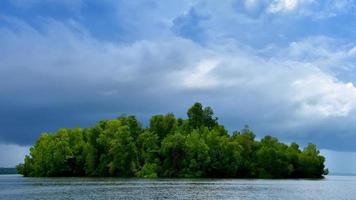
{"points": [[169, 147]]}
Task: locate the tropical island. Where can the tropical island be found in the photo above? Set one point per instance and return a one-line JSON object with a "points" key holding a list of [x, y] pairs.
{"points": [[169, 147]]}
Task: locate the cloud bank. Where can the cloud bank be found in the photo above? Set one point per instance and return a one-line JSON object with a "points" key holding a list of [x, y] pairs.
{"points": [[262, 63]]}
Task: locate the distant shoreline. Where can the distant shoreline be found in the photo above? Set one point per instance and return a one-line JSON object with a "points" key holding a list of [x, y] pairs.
{"points": [[178, 179], [8, 170], [341, 174]]}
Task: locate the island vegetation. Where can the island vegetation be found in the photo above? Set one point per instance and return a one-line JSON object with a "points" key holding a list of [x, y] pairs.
{"points": [[169, 147]]}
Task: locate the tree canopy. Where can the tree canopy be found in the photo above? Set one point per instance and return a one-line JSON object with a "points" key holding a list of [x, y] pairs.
{"points": [[169, 147]]}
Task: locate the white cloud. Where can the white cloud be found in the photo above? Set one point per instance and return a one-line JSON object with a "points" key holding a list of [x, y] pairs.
{"points": [[311, 8], [330, 55], [199, 76], [277, 6], [320, 95], [307, 8], [315, 94], [282, 6]]}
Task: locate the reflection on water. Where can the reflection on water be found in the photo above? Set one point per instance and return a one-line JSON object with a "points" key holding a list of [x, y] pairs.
{"points": [[333, 187]]}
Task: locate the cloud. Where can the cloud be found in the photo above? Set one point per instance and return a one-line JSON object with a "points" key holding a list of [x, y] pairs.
{"points": [[323, 96], [283, 6], [258, 7], [310, 8], [260, 23], [58, 73], [276, 94], [199, 76], [312, 91]]}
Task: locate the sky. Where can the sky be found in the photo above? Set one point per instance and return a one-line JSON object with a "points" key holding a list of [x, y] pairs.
{"points": [[284, 67]]}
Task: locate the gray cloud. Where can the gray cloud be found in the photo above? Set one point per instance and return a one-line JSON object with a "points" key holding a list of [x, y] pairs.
{"points": [[57, 73], [62, 76]]}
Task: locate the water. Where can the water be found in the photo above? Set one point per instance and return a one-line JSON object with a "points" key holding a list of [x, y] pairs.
{"points": [[18, 187]]}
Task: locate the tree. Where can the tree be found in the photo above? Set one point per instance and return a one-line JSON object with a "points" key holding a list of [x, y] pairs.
{"points": [[225, 155], [199, 116], [246, 139], [162, 125], [93, 149], [272, 160], [196, 161], [173, 150], [132, 123], [148, 149], [123, 153], [293, 157], [311, 164]]}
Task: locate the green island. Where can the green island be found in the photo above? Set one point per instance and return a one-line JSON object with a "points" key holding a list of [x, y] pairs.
{"points": [[196, 147]]}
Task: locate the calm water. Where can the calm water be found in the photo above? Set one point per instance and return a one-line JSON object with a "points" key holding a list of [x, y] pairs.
{"points": [[17, 187]]}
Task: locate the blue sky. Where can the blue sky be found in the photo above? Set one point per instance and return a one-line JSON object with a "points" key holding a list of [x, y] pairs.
{"points": [[285, 67]]}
